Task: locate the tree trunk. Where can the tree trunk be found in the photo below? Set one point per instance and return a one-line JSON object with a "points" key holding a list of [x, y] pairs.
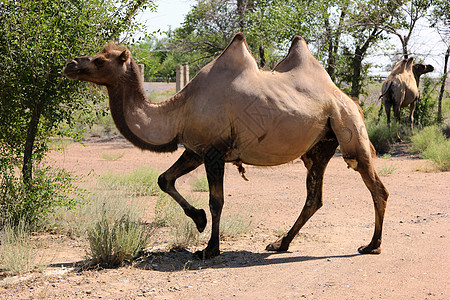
{"points": [[441, 92], [262, 56], [357, 62], [241, 13], [404, 47], [356, 77], [27, 168]]}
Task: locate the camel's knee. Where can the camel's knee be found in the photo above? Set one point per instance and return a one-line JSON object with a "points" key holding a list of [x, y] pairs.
{"points": [[164, 184]]}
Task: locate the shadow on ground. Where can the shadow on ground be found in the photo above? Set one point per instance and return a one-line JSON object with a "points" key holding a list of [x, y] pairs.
{"points": [[177, 260]]}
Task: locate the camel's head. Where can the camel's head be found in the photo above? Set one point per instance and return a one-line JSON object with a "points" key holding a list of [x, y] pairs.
{"points": [[104, 68], [421, 69]]}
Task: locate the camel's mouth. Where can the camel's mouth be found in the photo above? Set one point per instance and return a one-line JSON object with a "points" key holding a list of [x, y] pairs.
{"points": [[71, 74]]}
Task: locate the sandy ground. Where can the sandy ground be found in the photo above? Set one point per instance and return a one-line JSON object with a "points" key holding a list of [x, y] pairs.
{"points": [[322, 262]]}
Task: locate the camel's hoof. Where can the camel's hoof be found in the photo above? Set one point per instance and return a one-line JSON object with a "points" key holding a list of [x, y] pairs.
{"points": [[200, 220], [369, 250], [207, 253], [277, 246]]}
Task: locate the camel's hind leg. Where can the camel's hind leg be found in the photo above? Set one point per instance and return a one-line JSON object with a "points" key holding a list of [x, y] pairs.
{"points": [[187, 162], [379, 196], [315, 161]]}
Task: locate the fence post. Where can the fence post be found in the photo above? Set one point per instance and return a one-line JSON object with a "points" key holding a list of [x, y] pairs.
{"points": [[180, 78], [141, 70], [186, 73]]}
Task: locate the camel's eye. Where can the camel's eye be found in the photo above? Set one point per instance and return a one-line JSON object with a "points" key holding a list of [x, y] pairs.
{"points": [[99, 62]]}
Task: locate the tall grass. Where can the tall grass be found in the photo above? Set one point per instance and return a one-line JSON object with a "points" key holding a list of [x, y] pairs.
{"points": [[433, 145], [200, 184], [183, 230], [76, 222], [114, 241], [142, 181], [16, 249]]}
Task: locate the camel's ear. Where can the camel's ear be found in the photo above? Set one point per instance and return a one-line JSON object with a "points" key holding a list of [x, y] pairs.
{"points": [[124, 56]]}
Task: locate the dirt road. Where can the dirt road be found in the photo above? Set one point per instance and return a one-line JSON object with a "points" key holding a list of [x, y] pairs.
{"points": [[322, 262]]}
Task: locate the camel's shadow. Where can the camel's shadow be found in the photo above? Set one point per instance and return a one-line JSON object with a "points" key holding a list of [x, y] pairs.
{"points": [[177, 260], [181, 259]]}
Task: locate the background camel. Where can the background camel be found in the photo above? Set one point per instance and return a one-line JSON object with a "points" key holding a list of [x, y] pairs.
{"points": [[234, 112], [401, 88]]}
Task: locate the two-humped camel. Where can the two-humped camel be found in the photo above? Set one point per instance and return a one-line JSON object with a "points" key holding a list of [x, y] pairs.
{"points": [[401, 88], [234, 112]]}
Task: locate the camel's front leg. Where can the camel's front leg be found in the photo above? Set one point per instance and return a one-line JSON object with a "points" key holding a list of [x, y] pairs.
{"points": [[187, 162], [316, 161], [215, 167]]}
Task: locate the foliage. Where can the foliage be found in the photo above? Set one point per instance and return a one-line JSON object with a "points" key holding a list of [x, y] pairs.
{"points": [[113, 242], [434, 146], [439, 153], [425, 113], [49, 190], [36, 39], [421, 140], [16, 248]]}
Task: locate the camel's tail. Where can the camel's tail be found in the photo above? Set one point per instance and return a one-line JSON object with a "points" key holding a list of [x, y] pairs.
{"points": [[387, 91]]}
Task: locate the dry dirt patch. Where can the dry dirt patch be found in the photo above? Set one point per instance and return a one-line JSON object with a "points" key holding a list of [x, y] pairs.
{"points": [[322, 262]]}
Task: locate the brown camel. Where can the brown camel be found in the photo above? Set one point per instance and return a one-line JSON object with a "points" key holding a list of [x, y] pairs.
{"points": [[234, 112], [401, 88]]}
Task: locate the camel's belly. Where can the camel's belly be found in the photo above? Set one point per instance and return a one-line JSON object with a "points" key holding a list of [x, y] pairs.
{"points": [[277, 146]]}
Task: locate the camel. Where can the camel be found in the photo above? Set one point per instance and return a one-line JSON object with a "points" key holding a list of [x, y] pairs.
{"points": [[401, 88], [233, 112]]}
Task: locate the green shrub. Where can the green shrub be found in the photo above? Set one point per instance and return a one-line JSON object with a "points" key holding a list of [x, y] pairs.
{"points": [[16, 248], [425, 112], [49, 190], [424, 138], [381, 136], [114, 241], [142, 181], [439, 153], [434, 146]]}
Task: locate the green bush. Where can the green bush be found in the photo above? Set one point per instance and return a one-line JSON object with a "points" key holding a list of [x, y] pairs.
{"points": [[381, 136], [424, 138], [49, 190], [434, 146], [114, 241], [425, 113], [439, 153]]}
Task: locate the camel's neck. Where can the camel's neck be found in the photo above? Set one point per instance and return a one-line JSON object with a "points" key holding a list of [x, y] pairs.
{"points": [[147, 125]]}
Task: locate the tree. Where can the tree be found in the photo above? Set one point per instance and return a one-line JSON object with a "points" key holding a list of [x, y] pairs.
{"points": [[440, 18], [36, 39], [403, 18]]}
